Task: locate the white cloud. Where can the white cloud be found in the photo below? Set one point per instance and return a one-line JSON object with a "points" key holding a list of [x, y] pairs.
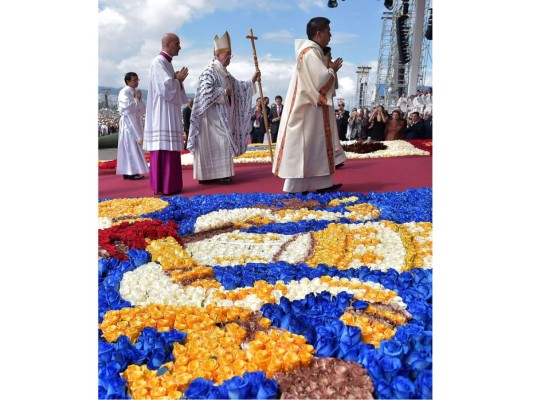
{"points": [[109, 17], [282, 36], [130, 32], [342, 37], [306, 5]]}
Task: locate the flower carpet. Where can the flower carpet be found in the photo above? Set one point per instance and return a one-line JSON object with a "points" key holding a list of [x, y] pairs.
{"points": [[259, 153], [266, 296]]}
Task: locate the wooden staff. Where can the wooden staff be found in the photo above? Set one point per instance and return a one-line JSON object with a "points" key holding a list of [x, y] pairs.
{"points": [[265, 118]]}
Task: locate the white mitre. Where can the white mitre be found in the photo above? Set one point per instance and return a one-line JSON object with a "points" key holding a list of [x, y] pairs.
{"points": [[222, 44]]}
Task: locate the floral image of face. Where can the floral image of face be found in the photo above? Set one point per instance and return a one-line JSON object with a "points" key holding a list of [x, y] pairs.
{"points": [[251, 293]]}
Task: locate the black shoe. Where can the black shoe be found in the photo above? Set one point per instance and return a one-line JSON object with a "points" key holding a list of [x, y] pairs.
{"points": [[332, 188], [339, 165], [224, 181], [205, 182], [136, 177]]}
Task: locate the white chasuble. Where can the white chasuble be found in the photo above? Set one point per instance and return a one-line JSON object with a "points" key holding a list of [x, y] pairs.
{"points": [[219, 124], [305, 146]]}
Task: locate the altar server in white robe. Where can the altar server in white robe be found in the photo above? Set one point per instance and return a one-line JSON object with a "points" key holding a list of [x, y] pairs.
{"points": [[305, 149], [429, 101], [220, 117], [130, 156], [163, 130], [402, 104]]}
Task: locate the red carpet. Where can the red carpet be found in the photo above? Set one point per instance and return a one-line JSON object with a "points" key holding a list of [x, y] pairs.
{"points": [[390, 174]]}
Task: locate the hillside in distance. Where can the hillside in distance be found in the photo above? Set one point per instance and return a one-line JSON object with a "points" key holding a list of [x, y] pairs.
{"points": [[112, 94]]}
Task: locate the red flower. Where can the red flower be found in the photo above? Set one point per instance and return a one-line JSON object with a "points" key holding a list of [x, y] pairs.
{"points": [[118, 239]]}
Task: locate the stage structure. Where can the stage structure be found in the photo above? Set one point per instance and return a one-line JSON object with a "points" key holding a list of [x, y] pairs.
{"points": [[404, 50], [106, 98], [362, 87]]}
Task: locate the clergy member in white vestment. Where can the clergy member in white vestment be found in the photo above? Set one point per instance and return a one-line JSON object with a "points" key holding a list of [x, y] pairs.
{"points": [[402, 104], [220, 117], [130, 156], [305, 149], [420, 102], [163, 130], [429, 101]]}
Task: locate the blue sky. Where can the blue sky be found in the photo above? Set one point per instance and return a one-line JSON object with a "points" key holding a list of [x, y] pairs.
{"points": [[130, 35]]}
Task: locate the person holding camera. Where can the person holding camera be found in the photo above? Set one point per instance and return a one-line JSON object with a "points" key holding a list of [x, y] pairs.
{"points": [[415, 127], [357, 126], [378, 120], [342, 120]]}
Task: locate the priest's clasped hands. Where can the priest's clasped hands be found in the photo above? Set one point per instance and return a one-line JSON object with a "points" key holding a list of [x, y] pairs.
{"points": [[336, 65], [182, 74]]}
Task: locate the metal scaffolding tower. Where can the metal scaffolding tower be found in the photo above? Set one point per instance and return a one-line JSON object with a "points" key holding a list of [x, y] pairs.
{"points": [[384, 57], [401, 39], [362, 86]]}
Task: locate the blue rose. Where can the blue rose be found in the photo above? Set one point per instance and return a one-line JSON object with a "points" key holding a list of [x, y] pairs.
{"points": [[419, 360], [411, 331], [426, 291], [122, 358], [217, 392], [158, 358], [139, 257], [237, 387], [147, 339], [326, 342], [382, 389], [173, 336], [392, 348], [390, 366], [273, 312], [424, 384], [427, 340], [229, 282], [374, 369], [285, 304], [403, 388], [349, 339], [198, 389], [367, 354], [111, 382], [105, 351], [410, 295], [260, 386], [422, 276], [419, 310], [360, 305]]}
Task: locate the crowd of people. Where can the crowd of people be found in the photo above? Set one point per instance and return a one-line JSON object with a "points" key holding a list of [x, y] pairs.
{"points": [[218, 123], [108, 121], [378, 125]]}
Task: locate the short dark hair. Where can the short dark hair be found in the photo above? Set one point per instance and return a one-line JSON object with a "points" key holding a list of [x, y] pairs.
{"points": [[316, 24], [278, 97], [129, 76]]}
